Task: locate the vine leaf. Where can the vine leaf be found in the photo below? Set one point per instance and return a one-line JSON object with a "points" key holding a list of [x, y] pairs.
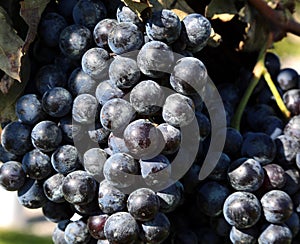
{"points": [[10, 47], [31, 11]]}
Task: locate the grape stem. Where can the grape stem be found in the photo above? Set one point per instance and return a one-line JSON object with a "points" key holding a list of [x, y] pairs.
{"points": [[259, 71]]}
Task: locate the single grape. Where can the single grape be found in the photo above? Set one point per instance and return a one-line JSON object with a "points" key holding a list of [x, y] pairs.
{"points": [[12, 176], [101, 31], [53, 188], [275, 177], [70, 129], [77, 232], [88, 209], [247, 236], [272, 63], [172, 138], [220, 172], [288, 79], [287, 148], [117, 144], [94, 62], [93, 162], [7, 156], [79, 187], [126, 14], [15, 138], [96, 225], [276, 234], [46, 136], [125, 37], [85, 109], [291, 98], [56, 212], [107, 90], [58, 234], [204, 125], [163, 25]]}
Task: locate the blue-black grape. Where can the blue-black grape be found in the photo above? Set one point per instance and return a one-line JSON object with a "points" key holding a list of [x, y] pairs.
{"points": [[247, 236], [293, 222], [7, 156], [56, 212], [221, 169], [119, 170], [58, 234], [46, 136], [155, 59], [288, 79], [65, 159], [117, 144], [256, 114], [277, 206], [178, 110], [50, 27], [157, 230], [88, 209], [111, 199], [189, 76], [147, 97], [75, 40], [246, 174], [76, 232], [163, 25], [29, 109], [287, 148], [143, 204], [242, 209], [233, 142], [204, 125], [291, 98], [12, 176], [121, 228], [196, 30], [70, 129], [88, 13], [107, 90], [172, 138], [57, 102], [48, 77], [84, 109], [15, 138], [126, 14], [94, 62], [101, 30], [124, 72], [272, 63], [93, 162], [36, 164], [79, 187], [53, 188], [80, 82], [292, 184], [276, 234], [275, 177], [125, 37]]}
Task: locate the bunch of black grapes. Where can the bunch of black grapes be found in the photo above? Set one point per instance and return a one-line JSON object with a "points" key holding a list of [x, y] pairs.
{"points": [[102, 119]]}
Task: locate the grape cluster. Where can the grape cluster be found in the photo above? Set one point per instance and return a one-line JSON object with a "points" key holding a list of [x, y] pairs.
{"points": [[104, 117]]}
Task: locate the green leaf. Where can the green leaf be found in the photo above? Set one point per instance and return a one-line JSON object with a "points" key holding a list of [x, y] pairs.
{"points": [[10, 47]]}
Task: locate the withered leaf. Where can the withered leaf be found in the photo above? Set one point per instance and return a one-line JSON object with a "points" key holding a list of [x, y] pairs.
{"points": [[10, 47], [224, 10], [6, 83]]}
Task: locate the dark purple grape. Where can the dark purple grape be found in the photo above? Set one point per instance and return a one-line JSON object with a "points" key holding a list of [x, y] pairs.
{"points": [[46, 136], [74, 41], [276, 234], [50, 27], [195, 32], [157, 230], [121, 228], [155, 59], [36, 164], [77, 232], [95, 63], [53, 188], [65, 159], [126, 14], [246, 236], [172, 138], [143, 139], [56, 212], [79, 187], [124, 72], [110, 198], [277, 206], [88, 13], [211, 197], [15, 138], [101, 31], [7, 156], [156, 171], [163, 25], [57, 102], [93, 162], [242, 209], [288, 79], [96, 225], [189, 76], [171, 197], [292, 184], [85, 108], [143, 204], [48, 77], [80, 82], [119, 170], [108, 90], [147, 97], [291, 98], [178, 110], [29, 109], [246, 175], [275, 177], [31, 194], [116, 114], [12, 176], [259, 146], [125, 37], [287, 148]]}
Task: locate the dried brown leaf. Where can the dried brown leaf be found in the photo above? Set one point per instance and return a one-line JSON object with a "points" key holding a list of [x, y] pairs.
{"points": [[224, 10], [6, 83]]}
